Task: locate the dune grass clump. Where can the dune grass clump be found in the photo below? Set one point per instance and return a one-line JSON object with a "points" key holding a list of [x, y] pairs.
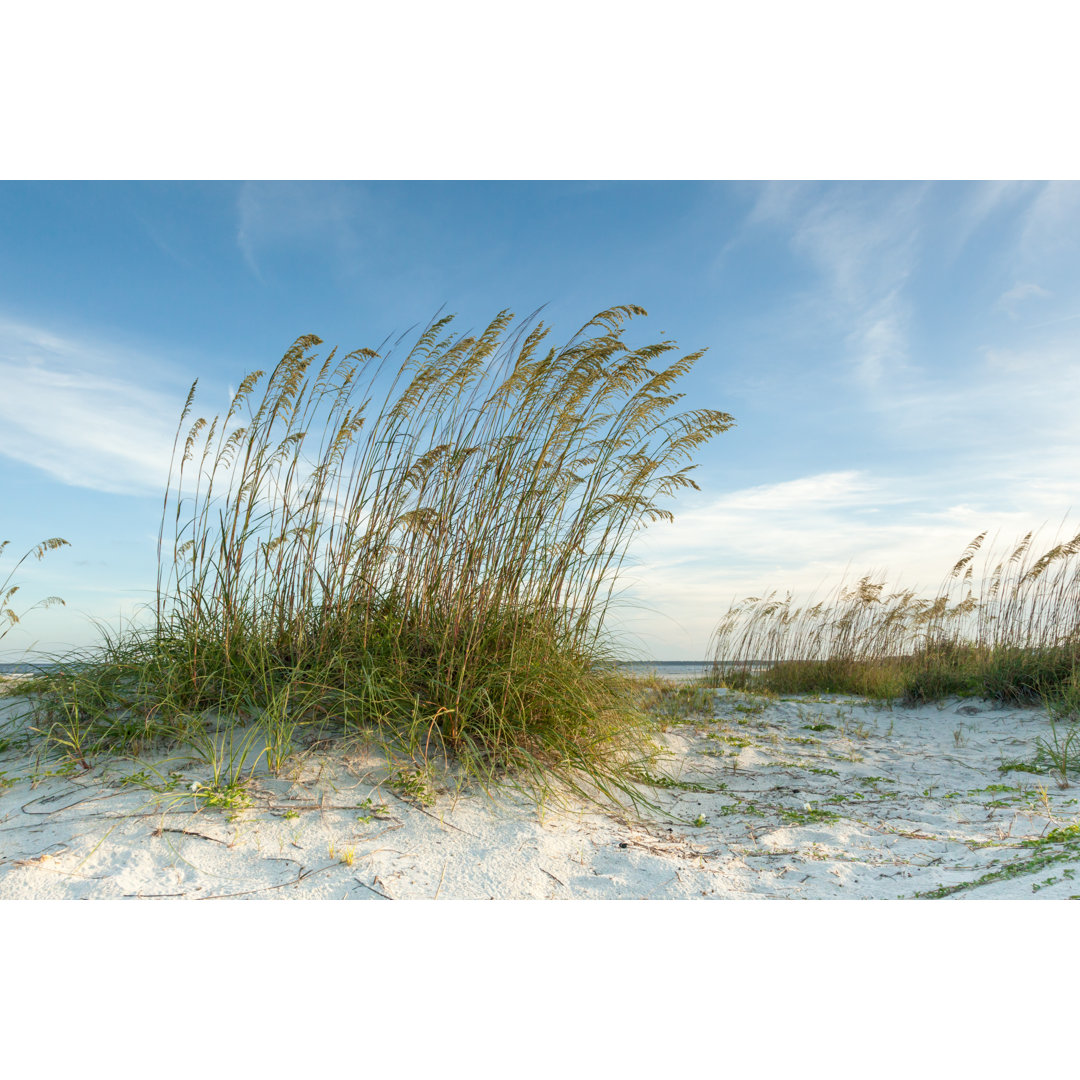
{"points": [[425, 553], [1013, 635]]}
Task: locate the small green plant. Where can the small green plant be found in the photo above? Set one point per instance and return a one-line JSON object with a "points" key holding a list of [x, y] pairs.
{"points": [[671, 783], [811, 813], [1060, 752], [752, 708], [742, 807], [225, 794], [374, 810], [731, 740], [70, 726], [820, 770], [278, 724], [677, 703], [289, 815], [151, 779], [700, 821], [1063, 698], [1019, 765], [228, 755], [64, 768], [850, 727], [413, 784]]}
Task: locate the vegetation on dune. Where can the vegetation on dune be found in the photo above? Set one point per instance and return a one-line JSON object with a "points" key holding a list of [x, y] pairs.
{"points": [[1011, 635], [434, 569]]}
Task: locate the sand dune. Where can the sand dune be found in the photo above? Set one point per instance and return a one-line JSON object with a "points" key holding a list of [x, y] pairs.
{"points": [[798, 798]]}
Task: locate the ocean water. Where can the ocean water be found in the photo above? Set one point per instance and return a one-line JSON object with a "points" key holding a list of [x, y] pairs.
{"points": [[676, 670], [679, 670], [23, 668]]}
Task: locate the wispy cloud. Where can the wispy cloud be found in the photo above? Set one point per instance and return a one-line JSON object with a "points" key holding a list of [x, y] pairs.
{"points": [[1011, 300], [983, 202], [275, 215], [863, 242], [63, 411], [779, 201], [878, 344], [1009, 412], [836, 489], [1050, 222], [864, 247]]}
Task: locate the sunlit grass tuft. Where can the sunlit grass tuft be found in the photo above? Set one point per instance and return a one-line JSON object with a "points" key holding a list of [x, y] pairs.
{"points": [[424, 555]]}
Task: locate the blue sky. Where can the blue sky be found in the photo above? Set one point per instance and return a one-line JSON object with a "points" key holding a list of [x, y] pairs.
{"points": [[901, 358]]}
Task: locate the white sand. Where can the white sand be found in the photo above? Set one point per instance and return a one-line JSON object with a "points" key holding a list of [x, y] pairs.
{"points": [[908, 788]]}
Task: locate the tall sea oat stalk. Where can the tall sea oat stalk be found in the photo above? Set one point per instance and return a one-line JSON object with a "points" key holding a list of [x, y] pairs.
{"points": [[8, 616]]}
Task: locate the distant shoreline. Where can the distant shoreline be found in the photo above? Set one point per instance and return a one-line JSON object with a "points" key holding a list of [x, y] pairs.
{"points": [[659, 667]]}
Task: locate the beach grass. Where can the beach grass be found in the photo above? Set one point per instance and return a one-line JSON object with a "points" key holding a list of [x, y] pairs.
{"points": [[420, 553], [8, 616], [1010, 633]]}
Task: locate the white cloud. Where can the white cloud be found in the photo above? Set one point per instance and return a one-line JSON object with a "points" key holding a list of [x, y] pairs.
{"points": [[863, 241], [1021, 291], [864, 247], [778, 201], [831, 489], [879, 342], [1050, 221], [62, 411], [982, 201]]}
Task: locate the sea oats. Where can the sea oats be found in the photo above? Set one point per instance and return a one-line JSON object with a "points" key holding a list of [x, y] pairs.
{"points": [[1013, 632], [438, 568]]}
